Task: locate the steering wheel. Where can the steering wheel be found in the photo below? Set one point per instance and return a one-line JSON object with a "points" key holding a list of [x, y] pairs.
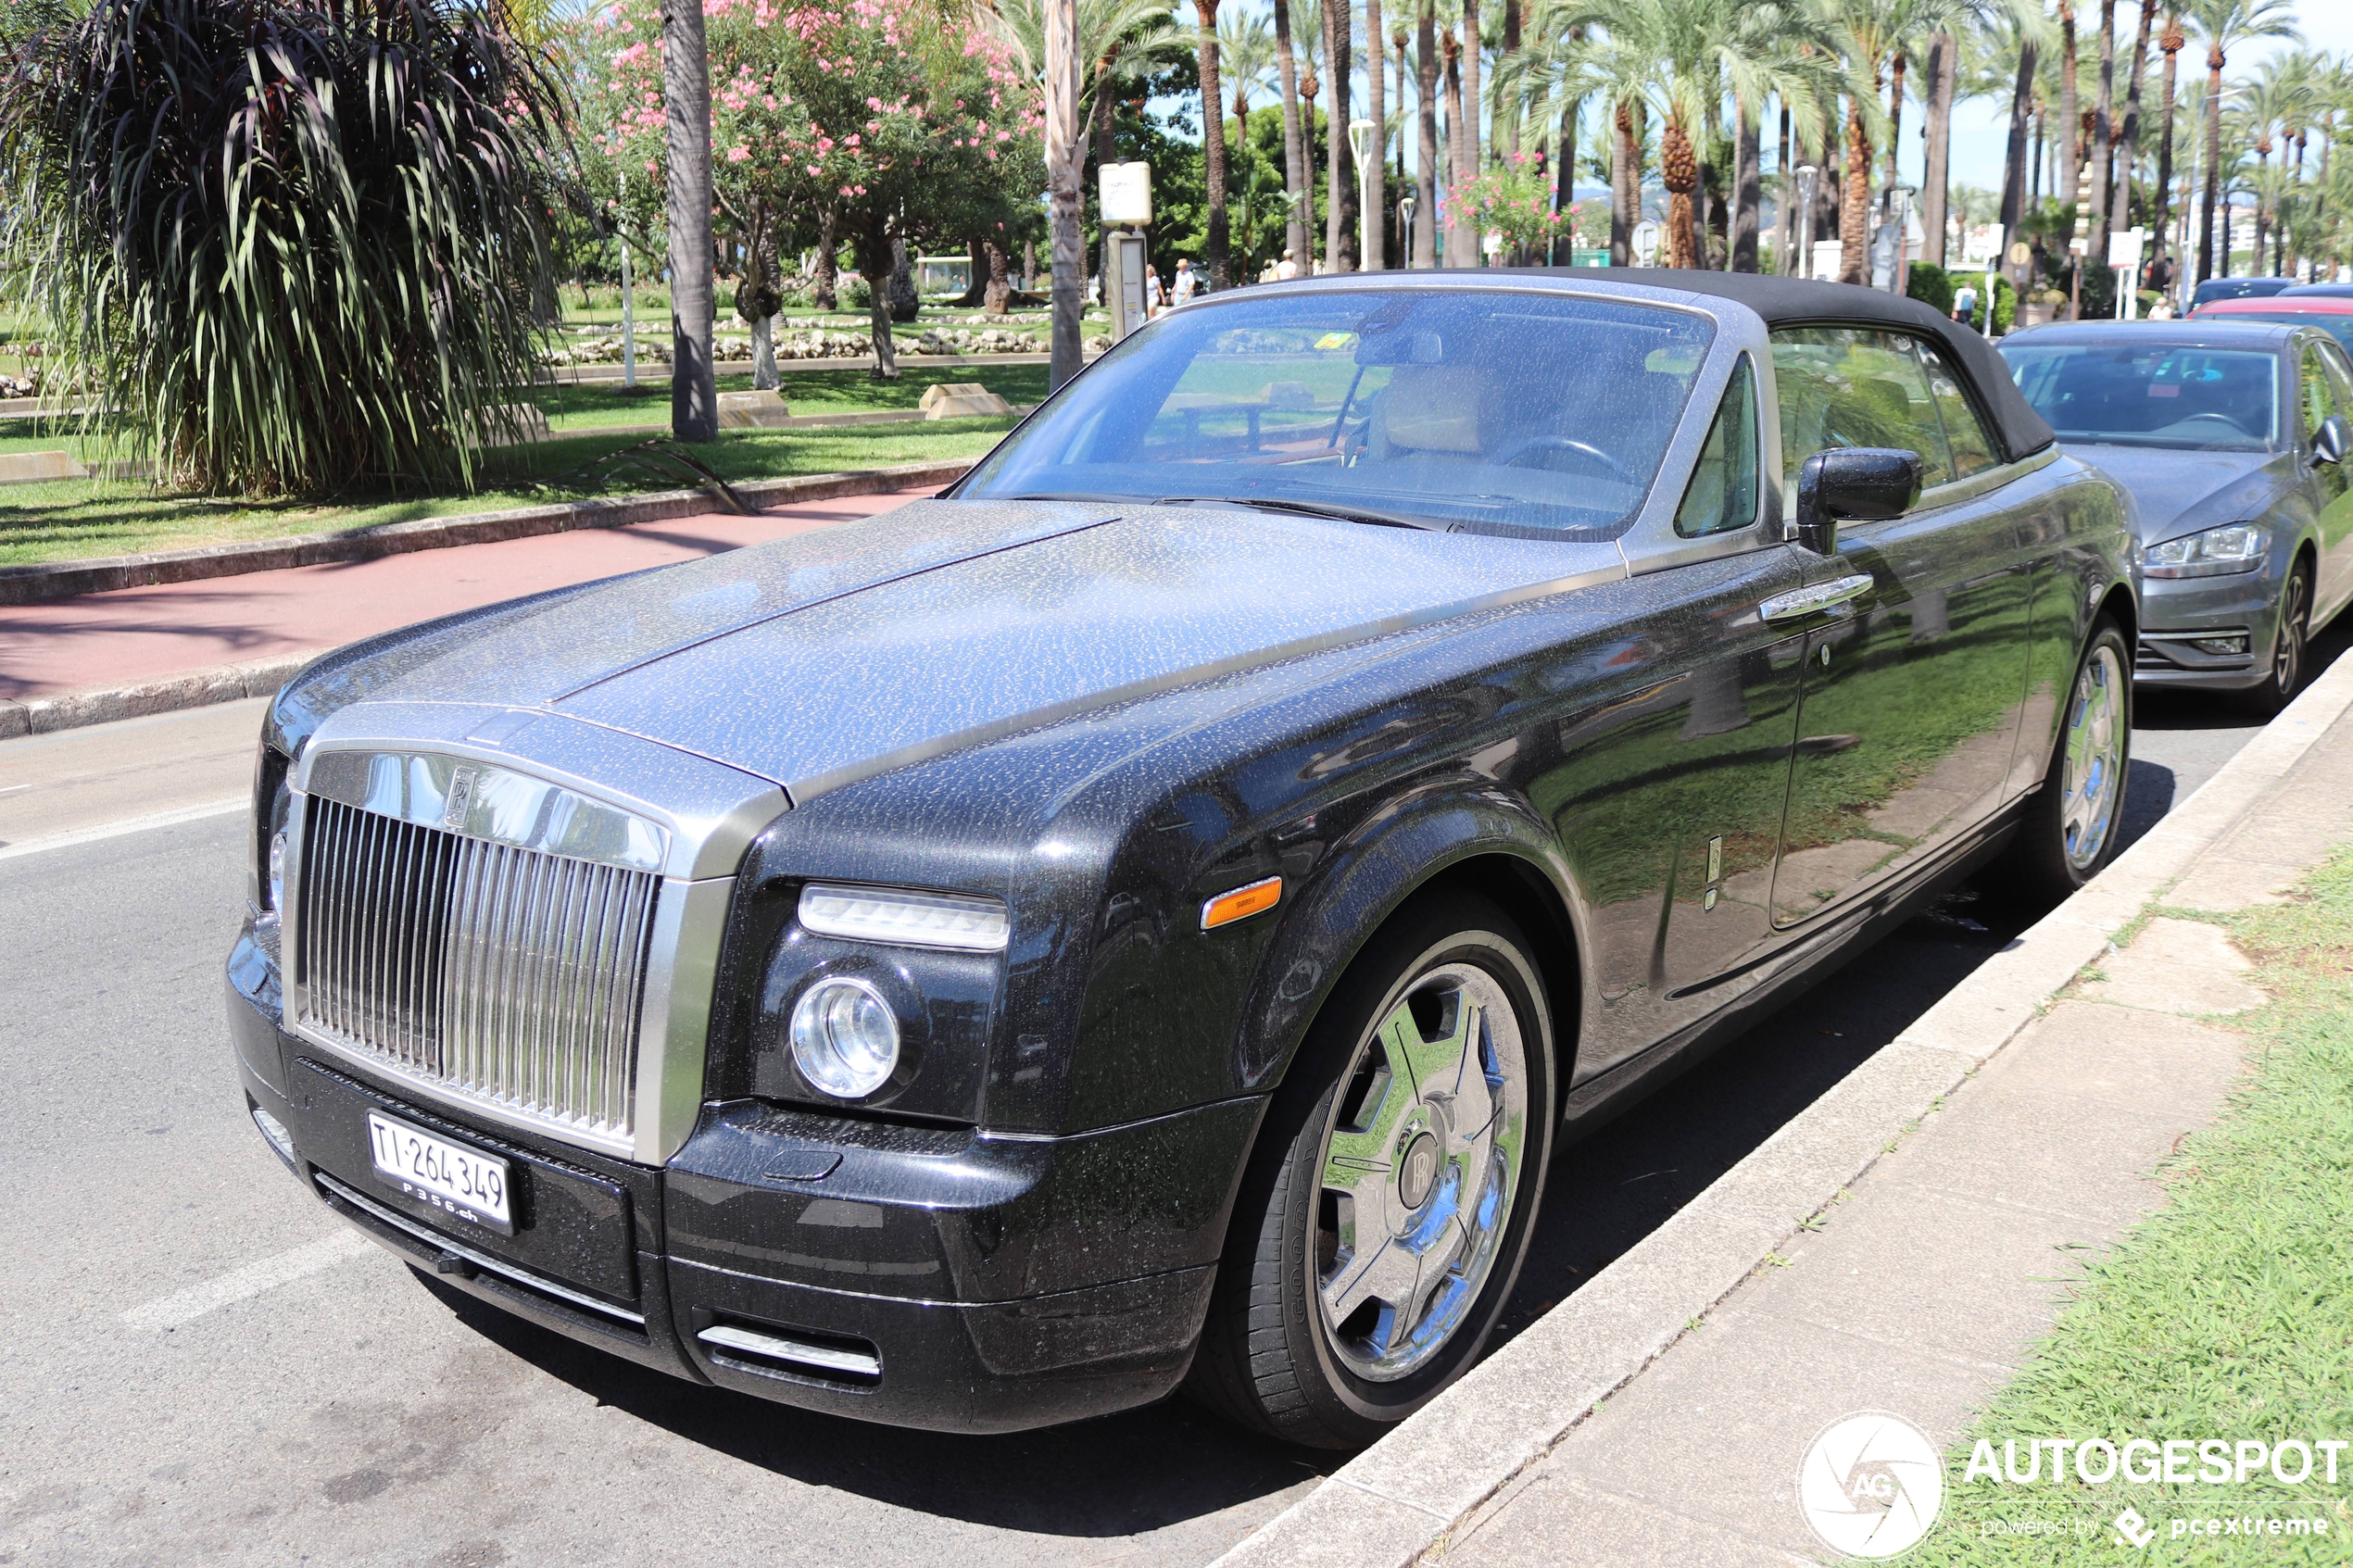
{"points": [[2235, 428], [1535, 444]]}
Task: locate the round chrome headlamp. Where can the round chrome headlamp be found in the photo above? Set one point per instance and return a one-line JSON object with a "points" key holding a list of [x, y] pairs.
{"points": [[845, 1038]]}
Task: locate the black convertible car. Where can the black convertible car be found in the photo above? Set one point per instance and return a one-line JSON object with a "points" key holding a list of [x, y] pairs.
{"points": [[1150, 915]]}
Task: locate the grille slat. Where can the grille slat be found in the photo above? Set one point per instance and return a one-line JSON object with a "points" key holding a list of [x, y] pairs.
{"points": [[504, 976]]}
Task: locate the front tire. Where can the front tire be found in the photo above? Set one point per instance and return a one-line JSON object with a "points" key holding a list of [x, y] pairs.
{"points": [[2288, 646], [2070, 831], [1390, 1202]]}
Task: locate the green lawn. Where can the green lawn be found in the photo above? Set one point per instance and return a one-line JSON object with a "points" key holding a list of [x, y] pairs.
{"points": [[573, 406], [78, 519], [2229, 1315]]}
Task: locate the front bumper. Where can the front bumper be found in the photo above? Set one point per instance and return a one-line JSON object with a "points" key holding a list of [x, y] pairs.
{"points": [[918, 1277], [2178, 613]]}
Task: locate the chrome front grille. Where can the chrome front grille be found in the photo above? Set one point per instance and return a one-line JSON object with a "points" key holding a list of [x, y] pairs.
{"points": [[505, 975]]}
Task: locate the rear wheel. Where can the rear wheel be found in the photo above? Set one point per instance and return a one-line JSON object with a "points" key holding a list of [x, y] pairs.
{"points": [[2286, 676], [2070, 831], [1385, 1216]]}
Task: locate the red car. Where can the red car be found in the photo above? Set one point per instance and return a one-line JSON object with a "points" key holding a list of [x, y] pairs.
{"points": [[2331, 313]]}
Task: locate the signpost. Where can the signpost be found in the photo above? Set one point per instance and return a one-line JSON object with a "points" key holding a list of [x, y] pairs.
{"points": [[1127, 197], [1646, 243], [2124, 251]]}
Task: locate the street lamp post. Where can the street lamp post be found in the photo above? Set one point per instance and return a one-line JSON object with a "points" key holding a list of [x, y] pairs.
{"points": [[1360, 141], [628, 299], [1406, 205]]}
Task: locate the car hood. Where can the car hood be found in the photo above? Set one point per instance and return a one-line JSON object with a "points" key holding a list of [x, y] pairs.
{"points": [[819, 659], [2178, 492]]}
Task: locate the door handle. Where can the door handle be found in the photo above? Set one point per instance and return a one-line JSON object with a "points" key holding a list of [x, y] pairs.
{"points": [[1820, 596]]}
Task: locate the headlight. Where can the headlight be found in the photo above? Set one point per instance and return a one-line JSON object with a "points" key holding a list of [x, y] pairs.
{"points": [[921, 920], [272, 804], [2217, 552], [845, 1039]]}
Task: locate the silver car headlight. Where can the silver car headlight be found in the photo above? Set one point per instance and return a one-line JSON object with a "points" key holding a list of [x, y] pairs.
{"points": [[2217, 552]]}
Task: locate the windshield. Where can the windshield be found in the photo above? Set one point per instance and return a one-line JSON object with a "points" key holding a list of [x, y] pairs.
{"points": [[1490, 411], [2152, 394]]}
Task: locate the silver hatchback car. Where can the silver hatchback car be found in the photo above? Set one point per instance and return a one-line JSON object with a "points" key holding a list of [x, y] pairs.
{"points": [[2232, 439]]}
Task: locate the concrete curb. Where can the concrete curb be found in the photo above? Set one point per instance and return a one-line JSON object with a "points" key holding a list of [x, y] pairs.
{"points": [[61, 579], [1399, 1501], [103, 704]]}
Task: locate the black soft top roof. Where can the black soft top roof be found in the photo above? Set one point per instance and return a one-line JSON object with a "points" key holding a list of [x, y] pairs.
{"points": [[1790, 302]]}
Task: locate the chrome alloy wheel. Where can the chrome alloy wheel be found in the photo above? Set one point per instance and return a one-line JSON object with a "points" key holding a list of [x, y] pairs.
{"points": [[2093, 780], [1420, 1166], [2287, 648]]}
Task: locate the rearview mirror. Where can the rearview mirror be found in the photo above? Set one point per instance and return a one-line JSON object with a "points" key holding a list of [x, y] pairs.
{"points": [[2330, 442], [1865, 483]]}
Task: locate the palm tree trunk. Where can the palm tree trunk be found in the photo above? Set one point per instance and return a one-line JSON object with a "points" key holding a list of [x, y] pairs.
{"points": [[1625, 186], [1462, 234], [1297, 180], [822, 293], [1425, 150], [2068, 173], [1936, 168], [2120, 200], [1507, 125], [2214, 64], [1471, 100], [2171, 43], [1748, 187], [2103, 141], [1895, 118], [1340, 163], [1064, 208], [2014, 163], [1565, 181], [1375, 172], [1212, 138], [1105, 148], [685, 92], [1855, 211]]}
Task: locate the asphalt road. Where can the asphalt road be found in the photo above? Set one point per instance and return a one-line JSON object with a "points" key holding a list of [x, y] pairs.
{"points": [[201, 1366]]}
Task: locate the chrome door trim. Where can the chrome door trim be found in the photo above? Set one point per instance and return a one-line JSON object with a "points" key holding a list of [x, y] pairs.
{"points": [[1799, 603]]}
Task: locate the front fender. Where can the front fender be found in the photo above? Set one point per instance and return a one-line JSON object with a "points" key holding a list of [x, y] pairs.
{"points": [[1423, 835]]}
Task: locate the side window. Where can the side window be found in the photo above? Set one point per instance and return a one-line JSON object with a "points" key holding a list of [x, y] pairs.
{"points": [[1964, 432], [1722, 494], [1847, 386], [2340, 377], [2315, 399]]}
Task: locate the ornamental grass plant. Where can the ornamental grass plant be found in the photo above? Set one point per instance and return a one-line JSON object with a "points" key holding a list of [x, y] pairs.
{"points": [[293, 244]]}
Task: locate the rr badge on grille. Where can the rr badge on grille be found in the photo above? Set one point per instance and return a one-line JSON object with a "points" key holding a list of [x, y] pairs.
{"points": [[462, 796]]}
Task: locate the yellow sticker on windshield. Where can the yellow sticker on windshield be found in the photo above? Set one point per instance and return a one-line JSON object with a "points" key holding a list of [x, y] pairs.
{"points": [[1335, 340], [1672, 361]]}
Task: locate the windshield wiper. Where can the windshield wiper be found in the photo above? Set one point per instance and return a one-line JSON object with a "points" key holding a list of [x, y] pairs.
{"points": [[1310, 509]]}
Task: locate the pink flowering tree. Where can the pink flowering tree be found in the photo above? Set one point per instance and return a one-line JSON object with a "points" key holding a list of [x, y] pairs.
{"points": [[873, 120], [1513, 199]]}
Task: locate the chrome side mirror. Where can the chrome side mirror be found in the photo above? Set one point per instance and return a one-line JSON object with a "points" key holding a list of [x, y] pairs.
{"points": [[1865, 483], [2333, 440]]}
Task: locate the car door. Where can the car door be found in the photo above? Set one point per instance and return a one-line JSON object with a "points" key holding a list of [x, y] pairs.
{"points": [[1667, 796], [1912, 685], [2326, 388]]}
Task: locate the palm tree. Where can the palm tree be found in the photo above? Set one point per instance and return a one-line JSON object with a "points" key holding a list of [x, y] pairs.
{"points": [[2273, 100], [2227, 24], [1213, 139], [686, 95], [1878, 33], [2170, 44], [1245, 59], [1298, 180]]}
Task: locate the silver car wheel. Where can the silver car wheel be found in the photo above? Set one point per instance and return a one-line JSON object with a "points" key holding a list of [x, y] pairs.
{"points": [[2093, 778], [1420, 1166]]}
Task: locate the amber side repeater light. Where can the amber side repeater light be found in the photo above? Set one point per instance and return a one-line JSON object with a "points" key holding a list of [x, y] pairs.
{"points": [[1241, 903]]}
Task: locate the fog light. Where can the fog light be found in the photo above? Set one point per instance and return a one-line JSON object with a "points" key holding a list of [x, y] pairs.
{"points": [[2219, 644], [844, 1038]]}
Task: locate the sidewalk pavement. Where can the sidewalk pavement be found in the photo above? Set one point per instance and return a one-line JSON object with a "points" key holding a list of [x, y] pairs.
{"points": [[1607, 1434], [149, 639]]}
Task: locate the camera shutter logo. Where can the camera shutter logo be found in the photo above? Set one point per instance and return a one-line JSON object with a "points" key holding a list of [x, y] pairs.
{"points": [[1872, 1484]]}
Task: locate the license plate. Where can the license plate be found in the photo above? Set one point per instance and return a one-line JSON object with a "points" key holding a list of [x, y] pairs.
{"points": [[461, 1182]]}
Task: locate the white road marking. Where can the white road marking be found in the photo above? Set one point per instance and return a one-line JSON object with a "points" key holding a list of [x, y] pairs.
{"points": [[132, 824], [243, 1285]]}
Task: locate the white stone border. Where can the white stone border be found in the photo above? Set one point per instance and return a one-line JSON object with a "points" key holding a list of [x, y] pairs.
{"points": [[1408, 1492]]}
